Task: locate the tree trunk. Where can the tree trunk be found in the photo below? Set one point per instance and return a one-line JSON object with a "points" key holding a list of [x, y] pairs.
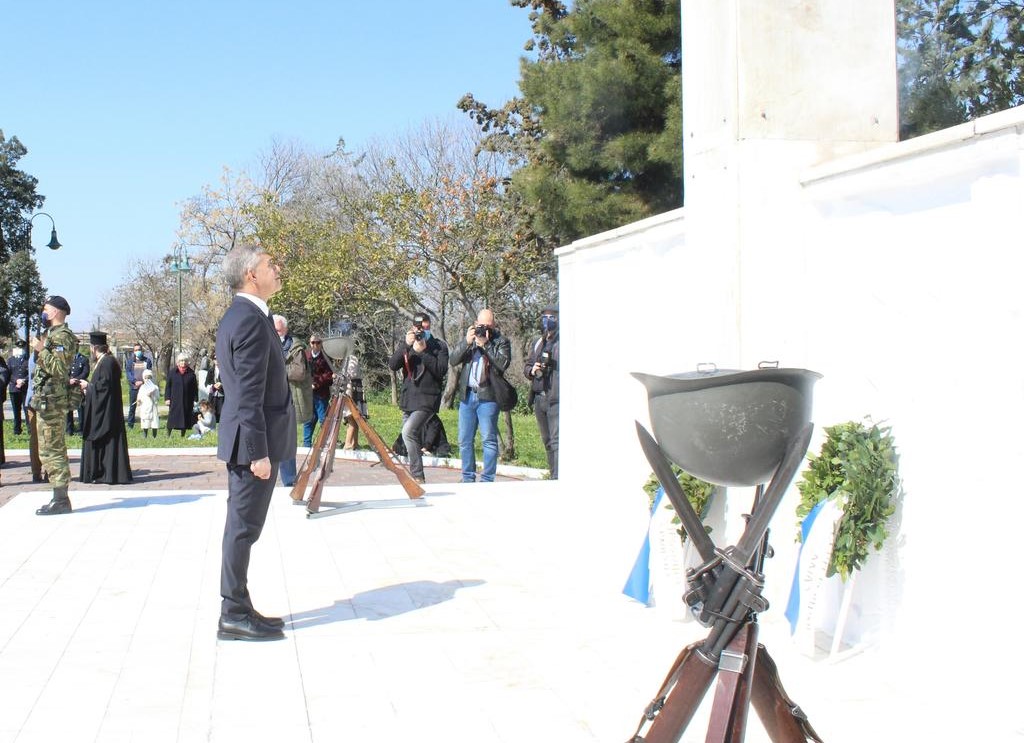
{"points": [[448, 397], [507, 443]]}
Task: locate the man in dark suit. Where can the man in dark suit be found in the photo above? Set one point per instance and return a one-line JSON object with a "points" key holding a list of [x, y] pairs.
{"points": [[256, 431], [18, 386]]}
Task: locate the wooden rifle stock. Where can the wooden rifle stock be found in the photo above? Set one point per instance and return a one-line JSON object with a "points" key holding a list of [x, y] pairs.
{"points": [[387, 457], [331, 427], [308, 466]]}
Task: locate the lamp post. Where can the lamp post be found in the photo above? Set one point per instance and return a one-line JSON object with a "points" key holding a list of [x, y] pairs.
{"points": [[54, 244], [179, 266]]}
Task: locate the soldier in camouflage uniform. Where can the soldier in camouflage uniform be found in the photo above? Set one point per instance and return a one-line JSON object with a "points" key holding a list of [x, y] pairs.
{"points": [[51, 400]]}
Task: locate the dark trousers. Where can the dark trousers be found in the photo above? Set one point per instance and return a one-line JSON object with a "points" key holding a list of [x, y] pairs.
{"points": [[71, 418], [412, 435], [248, 502], [133, 399], [216, 403], [17, 407], [547, 421]]}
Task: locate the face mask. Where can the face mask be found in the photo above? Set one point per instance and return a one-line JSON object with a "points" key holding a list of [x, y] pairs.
{"points": [[548, 323], [138, 354], [426, 334], [44, 319], [23, 352]]}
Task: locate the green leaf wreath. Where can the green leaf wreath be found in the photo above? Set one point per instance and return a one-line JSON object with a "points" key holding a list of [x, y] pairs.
{"points": [[697, 491], [857, 469]]}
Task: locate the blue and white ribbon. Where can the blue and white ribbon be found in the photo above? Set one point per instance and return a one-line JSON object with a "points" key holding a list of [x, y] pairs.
{"points": [[817, 534], [638, 584]]}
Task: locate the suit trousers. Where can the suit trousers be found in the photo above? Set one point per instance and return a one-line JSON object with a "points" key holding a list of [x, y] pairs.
{"points": [[248, 503], [17, 398]]}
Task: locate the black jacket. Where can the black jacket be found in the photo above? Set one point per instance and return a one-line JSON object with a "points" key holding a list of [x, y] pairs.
{"points": [[547, 382], [79, 367], [497, 352], [423, 374], [19, 370]]}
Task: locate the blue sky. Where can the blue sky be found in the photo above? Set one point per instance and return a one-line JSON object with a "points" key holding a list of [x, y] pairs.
{"points": [[128, 108]]}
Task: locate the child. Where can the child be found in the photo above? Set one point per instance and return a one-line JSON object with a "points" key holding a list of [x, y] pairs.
{"points": [[146, 407], [206, 422]]}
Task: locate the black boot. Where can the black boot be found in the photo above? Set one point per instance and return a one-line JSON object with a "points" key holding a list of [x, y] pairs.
{"points": [[60, 503]]}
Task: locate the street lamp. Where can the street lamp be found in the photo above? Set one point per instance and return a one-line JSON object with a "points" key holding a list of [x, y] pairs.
{"points": [[179, 266], [54, 244]]}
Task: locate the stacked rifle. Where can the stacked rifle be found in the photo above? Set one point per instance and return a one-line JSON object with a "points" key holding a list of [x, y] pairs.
{"points": [[725, 595], [320, 461]]}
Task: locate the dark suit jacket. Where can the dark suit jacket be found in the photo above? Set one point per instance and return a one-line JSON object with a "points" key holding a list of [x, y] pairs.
{"points": [[257, 419]]}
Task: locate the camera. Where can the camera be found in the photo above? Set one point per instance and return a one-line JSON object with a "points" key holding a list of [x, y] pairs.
{"points": [[481, 331], [546, 364], [418, 334]]}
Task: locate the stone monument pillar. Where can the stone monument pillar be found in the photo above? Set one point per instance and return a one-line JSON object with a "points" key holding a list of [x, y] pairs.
{"points": [[770, 89]]}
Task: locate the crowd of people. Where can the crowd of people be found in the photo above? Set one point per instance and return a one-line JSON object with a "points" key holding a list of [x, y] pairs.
{"points": [[256, 387], [51, 385]]}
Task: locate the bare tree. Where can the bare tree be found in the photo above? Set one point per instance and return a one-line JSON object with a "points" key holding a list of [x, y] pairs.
{"points": [[144, 309]]}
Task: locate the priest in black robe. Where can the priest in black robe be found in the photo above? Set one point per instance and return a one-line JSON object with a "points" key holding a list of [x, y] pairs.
{"points": [[104, 441]]}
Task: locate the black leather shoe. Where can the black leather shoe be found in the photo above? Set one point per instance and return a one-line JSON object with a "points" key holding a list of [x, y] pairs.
{"points": [[272, 622], [250, 628], [54, 508]]}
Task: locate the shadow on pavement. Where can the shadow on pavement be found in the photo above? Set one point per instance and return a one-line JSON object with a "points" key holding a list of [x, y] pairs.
{"points": [[145, 500], [383, 603]]}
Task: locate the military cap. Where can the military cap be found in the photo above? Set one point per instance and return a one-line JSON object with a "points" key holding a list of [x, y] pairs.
{"points": [[57, 301]]}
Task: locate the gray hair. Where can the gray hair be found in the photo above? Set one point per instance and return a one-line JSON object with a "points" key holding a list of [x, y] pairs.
{"points": [[280, 319], [239, 261]]}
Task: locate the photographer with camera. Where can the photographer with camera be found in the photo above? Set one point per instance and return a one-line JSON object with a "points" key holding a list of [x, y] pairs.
{"points": [[483, 349], [541, 370], [423, 360]]}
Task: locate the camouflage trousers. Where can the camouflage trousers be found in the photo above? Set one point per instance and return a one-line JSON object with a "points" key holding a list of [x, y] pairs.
{"points": [[53, 449]]}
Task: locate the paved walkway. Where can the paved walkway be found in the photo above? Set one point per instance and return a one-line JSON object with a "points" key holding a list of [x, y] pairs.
{"points": [[198, 468], [479, 614]]}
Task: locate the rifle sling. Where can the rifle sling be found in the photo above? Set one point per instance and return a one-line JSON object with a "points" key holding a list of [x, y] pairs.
{"points": [[781, 716]]}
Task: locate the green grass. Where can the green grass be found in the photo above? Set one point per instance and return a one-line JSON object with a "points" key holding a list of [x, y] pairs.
{"points": [[387, 420], [384, 417], [135, 439]]}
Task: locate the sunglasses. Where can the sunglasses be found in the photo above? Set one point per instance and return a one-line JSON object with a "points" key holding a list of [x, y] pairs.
{"points": [[315, 343]]}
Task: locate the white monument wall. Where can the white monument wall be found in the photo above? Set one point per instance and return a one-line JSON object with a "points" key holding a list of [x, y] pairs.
{"points": [[896, 274], [812, 238]]}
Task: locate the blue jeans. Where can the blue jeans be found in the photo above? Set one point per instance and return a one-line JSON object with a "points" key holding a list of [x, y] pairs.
{"points": [[319, 413], [287, 472], [474, 413]]}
